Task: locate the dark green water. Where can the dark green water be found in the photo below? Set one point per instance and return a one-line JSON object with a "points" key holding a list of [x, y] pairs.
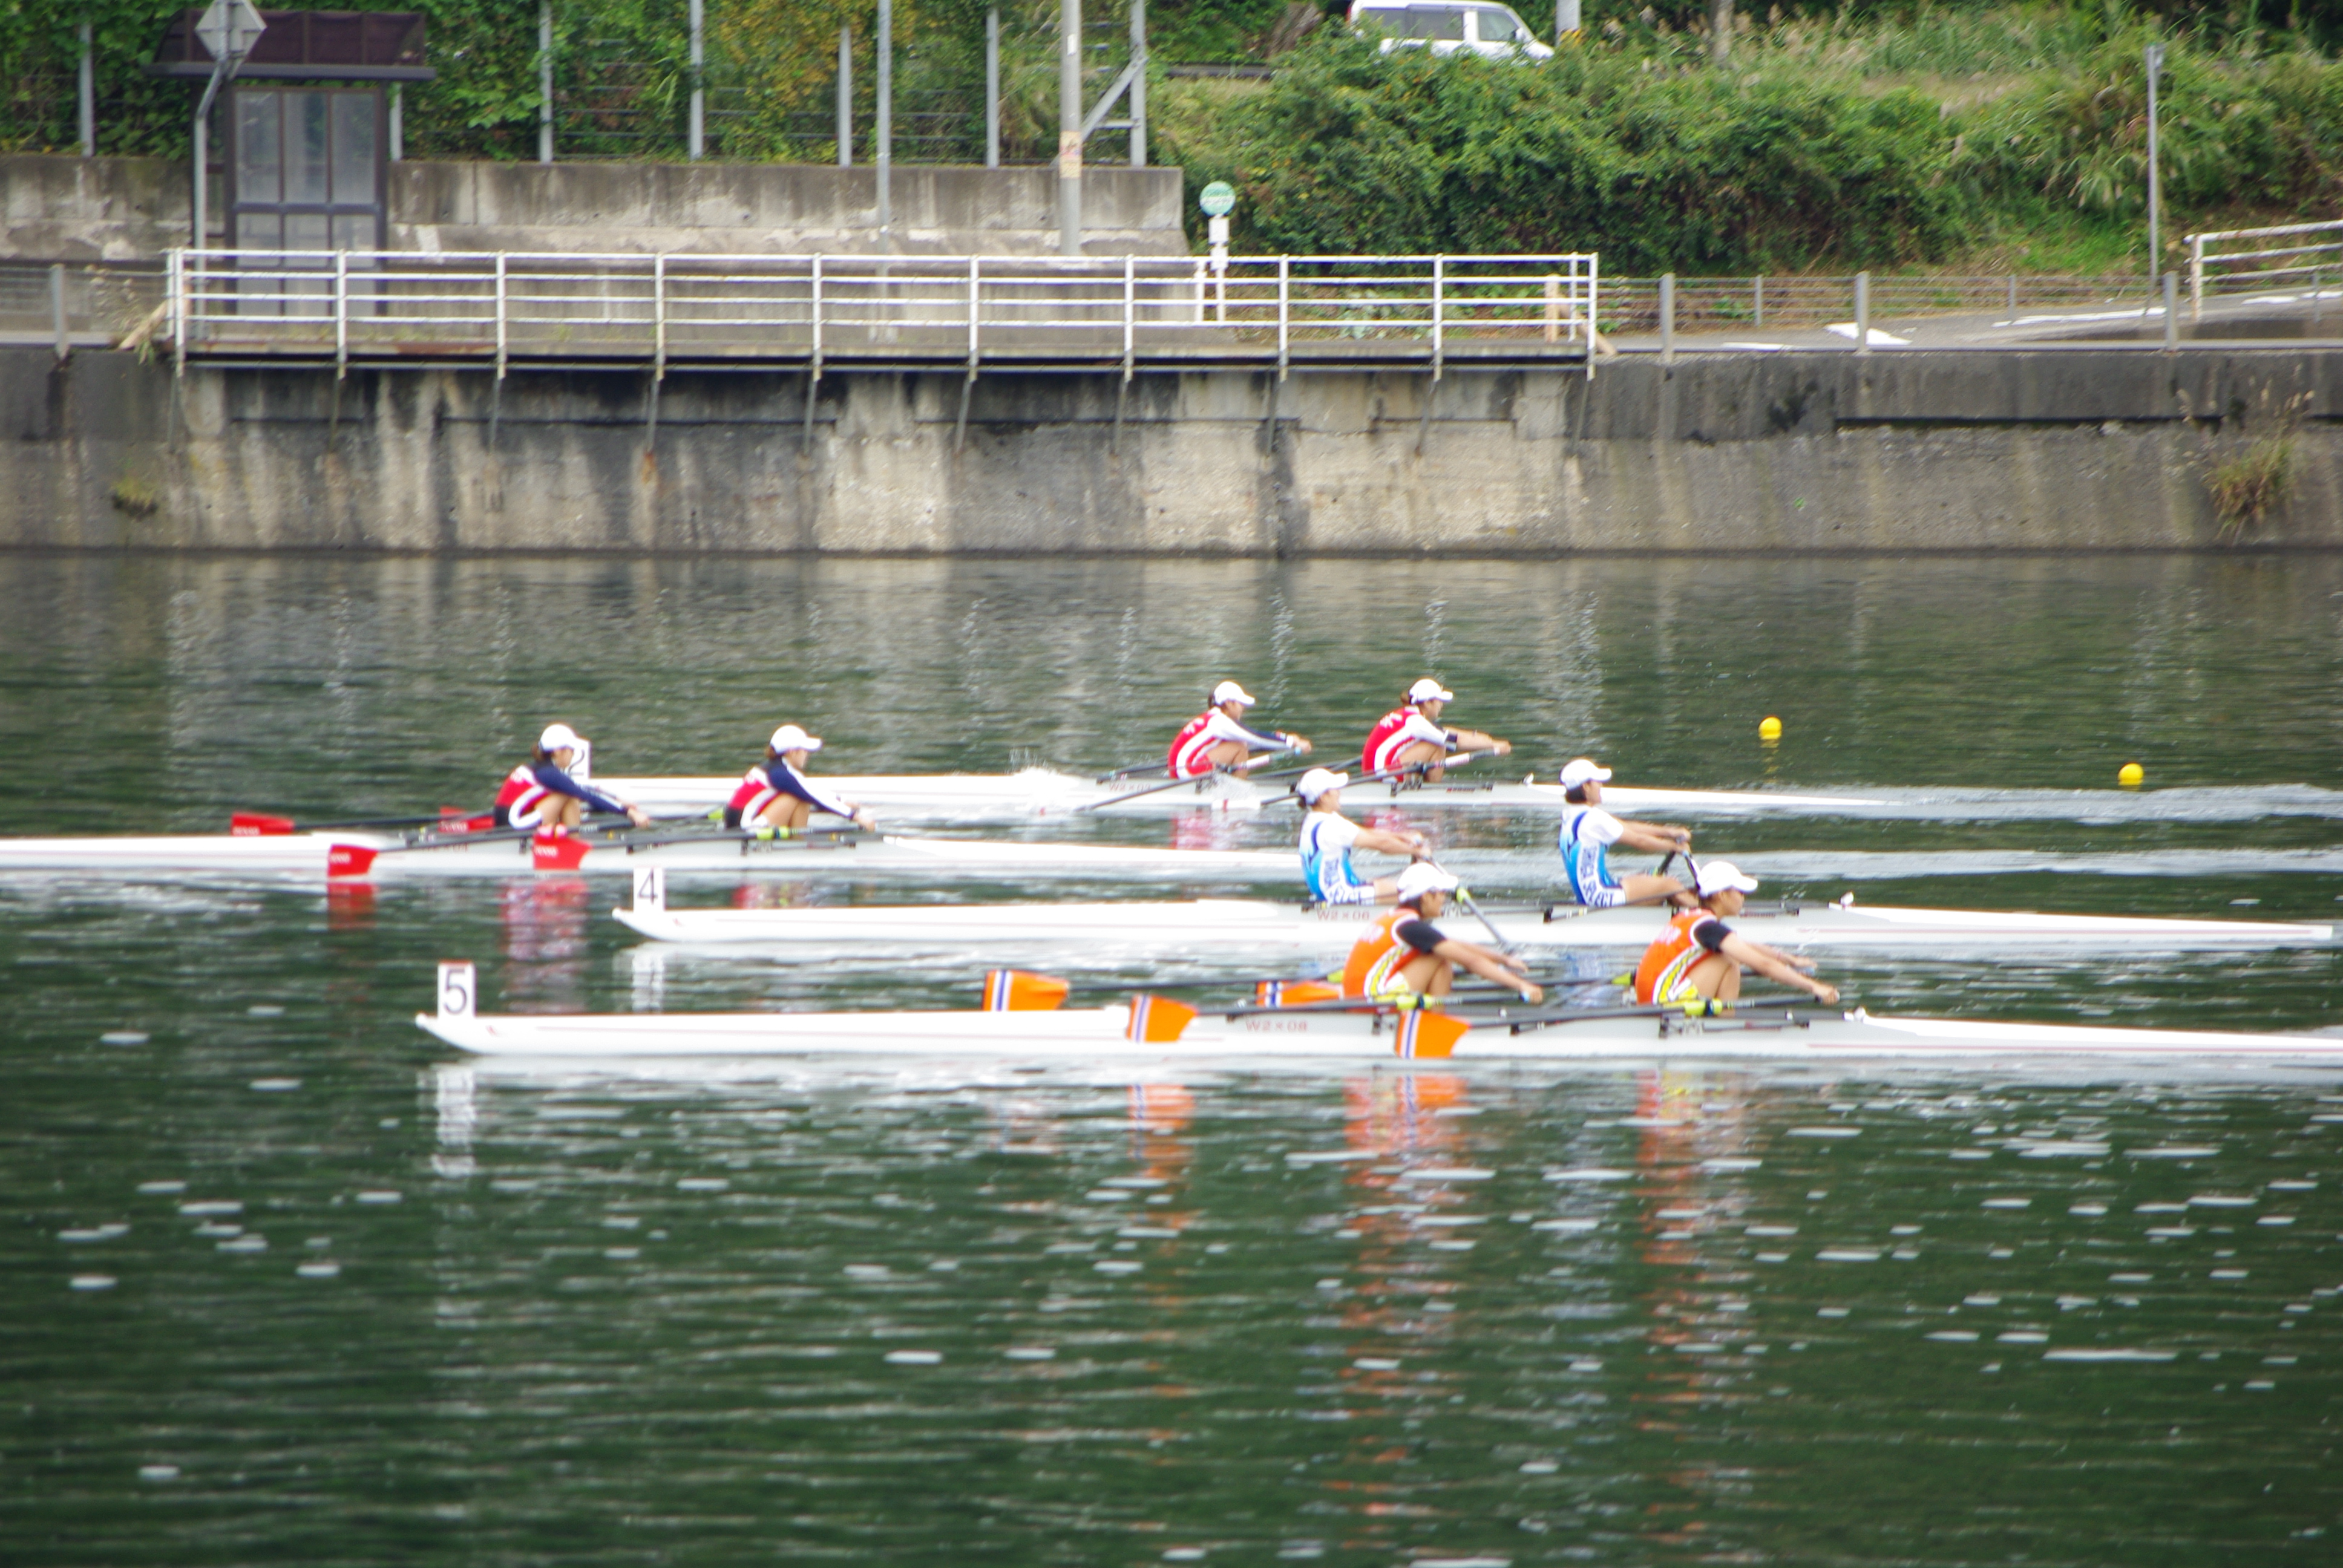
{"points": [[918, 1316]]}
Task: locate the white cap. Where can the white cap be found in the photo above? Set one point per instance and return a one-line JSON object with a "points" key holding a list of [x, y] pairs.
{"points": [[1429, 690], [1318, 781], [1581, 771], [1422, 878], [789, 738], [1718, 875], [1230, 691], [559, 737]]}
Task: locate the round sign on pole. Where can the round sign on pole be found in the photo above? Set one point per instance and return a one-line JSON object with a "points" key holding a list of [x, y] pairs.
{"points": [[1217, 198]]}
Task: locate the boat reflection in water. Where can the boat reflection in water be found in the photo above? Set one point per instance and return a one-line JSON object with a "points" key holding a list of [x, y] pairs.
{"points": [[545, 943]]}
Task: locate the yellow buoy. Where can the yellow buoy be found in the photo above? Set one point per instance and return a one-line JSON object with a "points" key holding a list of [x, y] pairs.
{"points": [[1769, 729], [2131, 775]]}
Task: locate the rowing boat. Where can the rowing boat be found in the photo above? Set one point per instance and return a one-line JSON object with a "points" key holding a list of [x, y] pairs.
{"points": [[378, 857], [1043, 792], [1119, 927], [1094, 1035]]}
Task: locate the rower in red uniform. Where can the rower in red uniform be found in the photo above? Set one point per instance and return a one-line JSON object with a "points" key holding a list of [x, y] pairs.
{"points": [[1405, 955], [1411, 735], [1217, 736], [1699, 956], [541, 792], [776, 793]]}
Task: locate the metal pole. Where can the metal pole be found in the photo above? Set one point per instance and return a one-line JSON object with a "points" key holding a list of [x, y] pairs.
{"points": [[2196, 278], [698, 133], [57, 309], [992, 88], [1863, 313], [1757, 301], [1667, 318], [1566, 21], [846, 97], [2171, 312], [544, 82], [886, 128], [397, 122], [202, 175], [2154, 184], [88, 97], [1069, 128], [1138, 103]]}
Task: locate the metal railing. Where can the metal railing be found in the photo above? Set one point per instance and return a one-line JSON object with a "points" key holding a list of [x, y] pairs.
{"points": [[2316, 249], [1784, 302], [658, 310], [71, 304]]}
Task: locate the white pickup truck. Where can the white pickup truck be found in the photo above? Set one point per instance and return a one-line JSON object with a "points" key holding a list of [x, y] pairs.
{"points": [[1448, 27]]}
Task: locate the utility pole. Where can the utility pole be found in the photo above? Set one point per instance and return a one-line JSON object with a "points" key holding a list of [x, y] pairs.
{"points": [[992, 88], [2155, 184], [698, 133], [846, 97], [1069, 128], [545, 81]]}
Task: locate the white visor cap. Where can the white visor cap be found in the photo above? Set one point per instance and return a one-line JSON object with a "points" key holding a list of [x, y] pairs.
{"points": [[1422, 878], [789, 738], [1718, 875], [1581, 770], [1230, 691], [559, 738], [1429, 690], [1318, 781]]}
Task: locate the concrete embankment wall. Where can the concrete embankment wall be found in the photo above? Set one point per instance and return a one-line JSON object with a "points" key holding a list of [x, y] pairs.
{"points": [[2056, 450], [134, 209]]}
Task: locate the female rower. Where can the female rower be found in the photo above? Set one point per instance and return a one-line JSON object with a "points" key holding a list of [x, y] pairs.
{"points": [[1411, 735], [540, 793], [1588, 832], [1403, 955], [1328, 837], [1699, 956], [776, 793], [1217, 736]]}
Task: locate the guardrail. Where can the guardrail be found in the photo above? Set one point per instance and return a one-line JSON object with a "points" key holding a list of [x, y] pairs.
{"points": [[2263, 266], [1790, 301], [75, 303], [661, 311]]}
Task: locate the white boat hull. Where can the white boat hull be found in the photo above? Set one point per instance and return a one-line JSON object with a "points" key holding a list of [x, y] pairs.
{"points": [[1041, 792], [385, 857], [1097, 1036], [1260, 925]]}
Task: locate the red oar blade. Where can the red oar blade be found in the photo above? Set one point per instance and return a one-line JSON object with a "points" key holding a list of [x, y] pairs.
{"points": [[349, 861], [257, 825], [556, 852]]}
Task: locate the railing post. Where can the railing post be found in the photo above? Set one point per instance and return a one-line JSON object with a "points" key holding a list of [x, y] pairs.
{"points": [[1757, 302], [1863, 312], [1200, 291], [992, 88], [57, 309], [1439, 303], [500, 316], [659, 317], [179, 313], [341, 314], [2196, 278], [2171, 312], [1554, 310], [1129, 293], [1667, 318], [846, 97], [817, 318], [974, 264], [1284, 318]]}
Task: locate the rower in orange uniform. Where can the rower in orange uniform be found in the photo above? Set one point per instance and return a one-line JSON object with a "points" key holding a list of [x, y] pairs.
{"points": [[1403, 955], [1698, 956]]}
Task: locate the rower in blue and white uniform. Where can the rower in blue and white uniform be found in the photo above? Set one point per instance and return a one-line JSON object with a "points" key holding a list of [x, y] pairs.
{"points": [[1328, 837], [776, 792], [542, 792], [1588, 832]]}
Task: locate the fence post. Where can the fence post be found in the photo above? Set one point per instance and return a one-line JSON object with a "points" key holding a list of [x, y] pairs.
{"points": [[1439, 311], [2196, 278], [545, 81], [182, 319], [1130, 290], [992, 88], [817, 320], [973, 262], [659, 317], [1667, 318], [57, 309], [2171, 312], [698, 129], [1863, 313], [1757, 302], [341, 314], [1284, 277]]}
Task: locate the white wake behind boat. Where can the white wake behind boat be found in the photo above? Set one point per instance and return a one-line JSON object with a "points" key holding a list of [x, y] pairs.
{"points": [[1097, 1036], [1044, 793], [1119, 927], [355, 857]]}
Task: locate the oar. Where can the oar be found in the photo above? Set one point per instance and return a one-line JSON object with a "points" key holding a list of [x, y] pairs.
{"points": [[1649, 1010], [1175, 783], [1453, 759], [263, 824]]}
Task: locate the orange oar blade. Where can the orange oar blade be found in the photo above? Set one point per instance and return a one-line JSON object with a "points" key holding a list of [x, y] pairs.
{"points": [[1294, 993], [257, 825], [1423, 1033], [1018, 991], [1157, 1019]]}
